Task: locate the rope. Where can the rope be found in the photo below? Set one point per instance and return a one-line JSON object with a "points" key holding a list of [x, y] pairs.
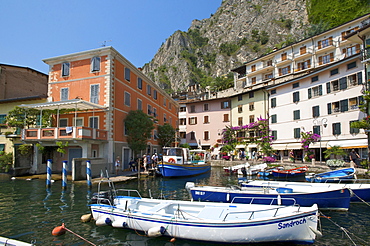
{"points": [[362, 200], [78, 235], [345, 231]]}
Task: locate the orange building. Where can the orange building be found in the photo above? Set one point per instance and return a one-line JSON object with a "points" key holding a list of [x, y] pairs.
{"points": [[99, 87]]}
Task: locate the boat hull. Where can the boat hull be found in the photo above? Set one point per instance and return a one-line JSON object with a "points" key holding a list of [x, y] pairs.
{"points": [[293, 227], [181, 170], [332, 176], [325, 200]]}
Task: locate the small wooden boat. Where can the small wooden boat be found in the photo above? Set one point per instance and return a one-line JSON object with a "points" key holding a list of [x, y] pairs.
{"points": [[268, 171], [361, 191], [208, 221], [326, 199], [295, 172], [332, 176], [180, 162]]}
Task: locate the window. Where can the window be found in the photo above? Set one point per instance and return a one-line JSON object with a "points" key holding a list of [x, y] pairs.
{"points": [[268, 76], [149, 109], [315, 111], [183, 135], [304, 65], [94, 122], [155, 112], [353, 130], [127, 74], [295, 85], [351, 65], [2, 118], [127, 99], [183, 109], [325, 43], [296, 96], [182, 121], [352, 80], [240, 97], [206, 119], [334, 72], [353, 103], [316, 91], [273, 118], [316, 130], [139, 83], [64, 94], [192, 135], [274, 135], [139, 104], [336, 128], [296, 114], [240, 121], [2, 147], [240, 108], [335, 85], [155, 94], [284, 70], [205, 107], [94, 94], [326, 59], [95, 64], [226, 117], [164, 118], [254, 80], [251, 106], [251, 94], [148, 90], [297, 132], [240, 134], [349, 51], [192, 120], [206, 135], [192, 109], [302, 50], [273, 102], [225, 104], [314, 79], [78, 121], [273, 91], [155, 134], [164, 101], [169, 105], [65, 68], [63, 122], [125, 130], [251, 118], [253, 68], [269, 63], [284, 56]]}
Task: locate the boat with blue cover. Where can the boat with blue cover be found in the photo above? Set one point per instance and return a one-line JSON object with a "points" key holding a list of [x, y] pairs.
{"points": [[180, 162], [329, 199], [332, 176]]}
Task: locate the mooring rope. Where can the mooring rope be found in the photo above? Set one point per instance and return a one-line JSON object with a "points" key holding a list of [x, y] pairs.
{"points": [[345, 231], [362, 200]]}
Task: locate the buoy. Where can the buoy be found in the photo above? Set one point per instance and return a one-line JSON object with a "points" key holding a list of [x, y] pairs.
{"points": [[173, 240], [119, 224], [317, 232], [156, 231], [103, 221], [59, 230], [86, 217]]}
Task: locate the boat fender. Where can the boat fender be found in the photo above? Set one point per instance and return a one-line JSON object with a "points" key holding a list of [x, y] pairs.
{"points": [[119, 224], [86, 217], [156, 231], [189, 185], [59, 230], [173, 240], [103, 221], [317, 232]]}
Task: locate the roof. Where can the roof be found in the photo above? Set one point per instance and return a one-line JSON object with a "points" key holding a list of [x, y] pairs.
{"points": [[68, 104]]}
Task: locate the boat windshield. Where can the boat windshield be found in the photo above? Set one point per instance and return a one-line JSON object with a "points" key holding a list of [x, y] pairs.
{"points": [[172, 152]]}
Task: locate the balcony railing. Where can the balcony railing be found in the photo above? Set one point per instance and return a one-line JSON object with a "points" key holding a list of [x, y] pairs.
{"points": [[55, 133]]}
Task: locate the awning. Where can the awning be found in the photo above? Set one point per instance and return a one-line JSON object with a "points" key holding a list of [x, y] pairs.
{"points": [[193, 144], [316, 145], [286, 146], [68, 104], [349, 144]]}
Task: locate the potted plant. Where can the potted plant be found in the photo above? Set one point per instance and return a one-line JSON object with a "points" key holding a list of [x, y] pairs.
{"points": [[336, 151]]}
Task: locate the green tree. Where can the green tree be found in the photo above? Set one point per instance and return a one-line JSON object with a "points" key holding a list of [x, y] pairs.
{"points": [[166, 135], [334, 150], [139, 127]]}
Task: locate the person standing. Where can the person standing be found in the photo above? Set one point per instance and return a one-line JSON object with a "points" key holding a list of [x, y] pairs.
{"points": [[353, 156], [117, 164], [145, 162]]}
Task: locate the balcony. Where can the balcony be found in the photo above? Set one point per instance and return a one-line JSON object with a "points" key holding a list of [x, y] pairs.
{"points": [[64, 133]]}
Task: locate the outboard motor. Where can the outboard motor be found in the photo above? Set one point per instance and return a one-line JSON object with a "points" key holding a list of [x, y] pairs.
{"points": [[104, 197]]}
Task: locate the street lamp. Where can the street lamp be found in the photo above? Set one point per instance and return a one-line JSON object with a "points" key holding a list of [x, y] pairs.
{"points": [[320, 123]]}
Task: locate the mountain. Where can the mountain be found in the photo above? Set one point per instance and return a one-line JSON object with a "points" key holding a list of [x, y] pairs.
{"points": [[239, 31]]}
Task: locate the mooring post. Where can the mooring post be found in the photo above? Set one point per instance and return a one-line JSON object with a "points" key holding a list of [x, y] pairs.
{"points": [[88, 173], [48, 172], [64, 175]]}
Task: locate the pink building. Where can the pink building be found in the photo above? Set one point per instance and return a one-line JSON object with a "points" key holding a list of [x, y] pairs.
{"points": [[206, 120]]}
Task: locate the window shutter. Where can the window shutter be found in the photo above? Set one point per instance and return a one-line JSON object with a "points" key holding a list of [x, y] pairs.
{"points": [[330, 40], [309, 63], [343, 83], [329, 108], [273, 102], [327, 87], [344, 51], [320, 60], [95, 64], [331, 57], [309, 93], [344, 105], [359, 78], [358, 48], [319, 44], [320, 90], [280, 73]]}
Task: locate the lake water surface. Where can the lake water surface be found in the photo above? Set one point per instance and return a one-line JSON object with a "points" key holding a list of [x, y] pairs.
{"points": [[29, 212]]}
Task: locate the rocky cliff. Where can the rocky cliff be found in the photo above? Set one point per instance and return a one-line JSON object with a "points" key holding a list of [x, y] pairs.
{"points": [[239, 31]]}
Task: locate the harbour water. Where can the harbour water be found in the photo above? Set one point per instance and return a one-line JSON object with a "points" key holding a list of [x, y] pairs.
{"points": [[29, 212]]}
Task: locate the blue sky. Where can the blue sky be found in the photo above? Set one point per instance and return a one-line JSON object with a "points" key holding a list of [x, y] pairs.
{"points": [[32, 30]]}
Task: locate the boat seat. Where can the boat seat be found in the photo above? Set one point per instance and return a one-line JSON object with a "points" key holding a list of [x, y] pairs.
{"points": [[158, 207], [211, 213]]}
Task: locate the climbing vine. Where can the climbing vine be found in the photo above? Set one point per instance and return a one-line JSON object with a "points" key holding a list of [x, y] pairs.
{"points": [[306, 139]]}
